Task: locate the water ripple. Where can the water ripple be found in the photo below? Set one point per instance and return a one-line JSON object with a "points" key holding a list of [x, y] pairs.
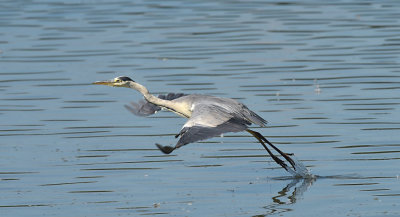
{"points": [[325, 74]]}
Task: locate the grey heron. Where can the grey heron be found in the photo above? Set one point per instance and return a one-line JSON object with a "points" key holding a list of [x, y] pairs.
{"points": [[208, 116]]}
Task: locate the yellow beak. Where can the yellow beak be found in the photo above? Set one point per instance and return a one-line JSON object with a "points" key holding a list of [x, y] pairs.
{"points": [[108, 83]]}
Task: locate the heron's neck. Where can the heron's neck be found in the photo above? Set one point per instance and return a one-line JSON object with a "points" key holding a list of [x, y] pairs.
{"points": [[142, 89], [157, 101]]}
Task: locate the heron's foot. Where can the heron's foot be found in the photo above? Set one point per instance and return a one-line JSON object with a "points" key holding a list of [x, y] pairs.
{"points": [[165, 149]]}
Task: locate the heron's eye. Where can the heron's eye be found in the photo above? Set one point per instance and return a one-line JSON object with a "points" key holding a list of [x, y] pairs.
{"points": [[118, 81]]}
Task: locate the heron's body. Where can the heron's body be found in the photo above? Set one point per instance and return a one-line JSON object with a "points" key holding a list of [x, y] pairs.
{"points": [[208, 116], [186, 105]]}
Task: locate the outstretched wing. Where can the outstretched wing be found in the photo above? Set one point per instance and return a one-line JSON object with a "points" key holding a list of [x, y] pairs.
{"points": [[209, 121], [144, 108]]}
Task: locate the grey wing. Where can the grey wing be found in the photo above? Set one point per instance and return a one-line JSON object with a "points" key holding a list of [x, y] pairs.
{"points": [[253, 117], [231, 106], [145, 108], [209, 121]]}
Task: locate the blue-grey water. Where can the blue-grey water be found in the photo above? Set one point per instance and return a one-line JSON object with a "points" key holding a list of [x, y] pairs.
{"points": [[325, 74]]}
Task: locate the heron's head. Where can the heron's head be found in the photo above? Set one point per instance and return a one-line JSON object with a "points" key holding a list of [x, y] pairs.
{"points": [[121, 81]]}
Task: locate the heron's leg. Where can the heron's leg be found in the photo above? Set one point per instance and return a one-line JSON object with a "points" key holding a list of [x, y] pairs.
{"points": [[261, 138], [286, 156]]}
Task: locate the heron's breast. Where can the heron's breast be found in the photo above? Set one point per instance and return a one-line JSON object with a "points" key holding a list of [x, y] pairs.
{"points": [[182, 109]]}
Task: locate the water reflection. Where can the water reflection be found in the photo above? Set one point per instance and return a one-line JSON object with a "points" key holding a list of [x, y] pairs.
{"points": [[298, 191], [289, 195]]}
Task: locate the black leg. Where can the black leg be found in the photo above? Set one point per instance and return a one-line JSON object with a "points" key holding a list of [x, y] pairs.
{"points": [[261, 138], [290, 160]]}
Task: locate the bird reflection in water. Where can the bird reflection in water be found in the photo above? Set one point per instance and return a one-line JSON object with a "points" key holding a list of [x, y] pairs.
{"points": [[290, 194]]}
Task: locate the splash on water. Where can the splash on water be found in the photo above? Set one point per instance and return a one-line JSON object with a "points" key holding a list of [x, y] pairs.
{"points": [[299, 170]]}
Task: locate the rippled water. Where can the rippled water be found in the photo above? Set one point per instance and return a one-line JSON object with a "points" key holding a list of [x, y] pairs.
{"points": [[325, 74]]}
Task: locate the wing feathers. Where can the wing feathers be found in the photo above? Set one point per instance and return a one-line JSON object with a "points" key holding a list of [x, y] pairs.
{"points": [[209, 121], [198, 133]]}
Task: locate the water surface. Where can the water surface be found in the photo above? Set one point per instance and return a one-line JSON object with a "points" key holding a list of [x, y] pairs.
{"points": [[324, 74]]}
